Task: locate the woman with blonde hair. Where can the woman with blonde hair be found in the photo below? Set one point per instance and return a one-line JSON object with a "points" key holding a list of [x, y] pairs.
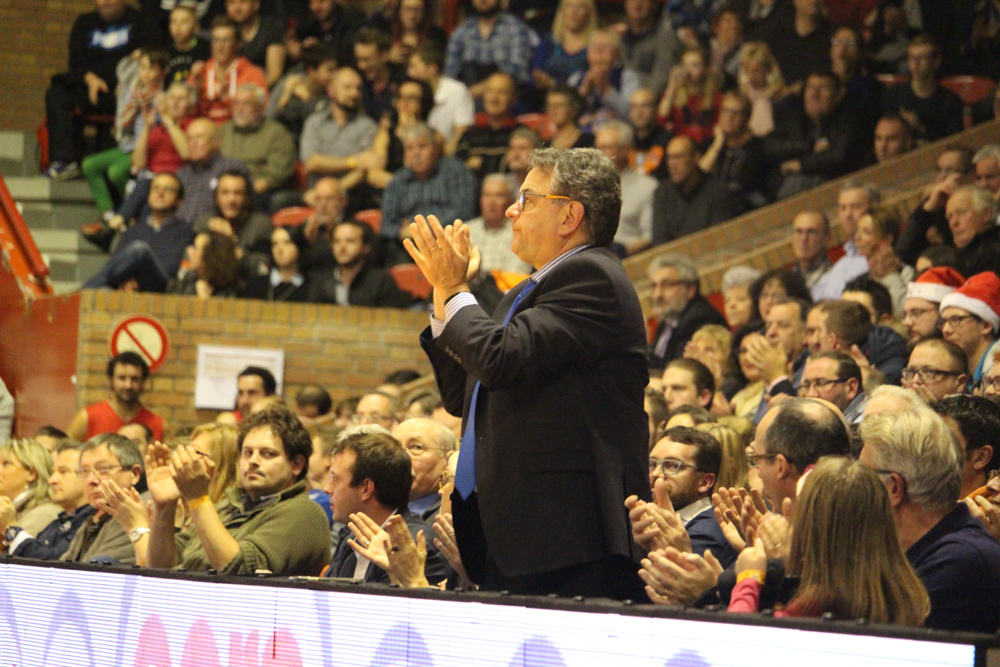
{"points": [[564, 52], [844, 550], [759, 78], [25, 468], [711, 346], [733, 471], [219, 442], [692, 99]]}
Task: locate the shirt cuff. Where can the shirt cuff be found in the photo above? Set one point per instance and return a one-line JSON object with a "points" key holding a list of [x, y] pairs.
{"points": [[457, 303], [437, 327], [21, 538]]}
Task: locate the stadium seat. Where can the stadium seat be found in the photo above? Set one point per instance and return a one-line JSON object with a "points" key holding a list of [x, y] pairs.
{"points": [[371, 217], [291, 216], [409, 279]]}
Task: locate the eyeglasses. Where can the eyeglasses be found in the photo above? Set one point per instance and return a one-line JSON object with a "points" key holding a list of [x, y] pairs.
{"points": [[419, 449], [522, 197], [927, 374], [819, 384], [670, 466], [916, 313], [100, 471], [753, 459], [991, 383], [954, 321]]}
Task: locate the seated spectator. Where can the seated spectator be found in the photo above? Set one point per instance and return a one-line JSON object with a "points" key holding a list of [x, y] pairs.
{"points": [[844, 504], [149, 252], [224, 72], [933, 112], [371, 476], [990, 384], [263, 145], [287, 536], [454, 109], [330, 23], [353, 281], [692, 20], [919, 461], [606, 85], [678, 306], [324, 439], [261, 37], [412, 25], [412, 103], [736, 299], [483, 146], [986, 165], [97, 42], [888, 36], [773, 286], [815, 138], [66, 490], [25, 498], [202, 172], [491, 232], [371, 53], [490, 40], [835, 377], [975, 420], [235, 217], [893, 137], [655, 405], [429, 445], [801, 45], [733, 473], [763, 17], [845, 326], [875, 298], [690, 416], [564, 52], [564, 107], [328, 202], [712, 346], [810, 237], [683, 466], [187, 46], [635, 225], [923, 299], [649, 46], [936, 369], [877, 232], [127, 374], [726, 44], [312, 401], [781, 353], [286, 280], [49, 437], [298, 94], [253, 384], [429, 184], [862, 91], [516, 162], [140, 434], [972, 216], [760, 80], [334, 138], [689, 200], [735, 156], [214, 268], [970, 318], [691, 101], [745, 402], [137, 90], [936, 256], [106, 458], [854, 200], [649, 154], [378, 407], [928, 222], [688, 382]]}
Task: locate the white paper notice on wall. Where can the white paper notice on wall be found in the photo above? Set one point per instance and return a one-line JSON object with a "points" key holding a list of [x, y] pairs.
{"points": [[218, 365]]}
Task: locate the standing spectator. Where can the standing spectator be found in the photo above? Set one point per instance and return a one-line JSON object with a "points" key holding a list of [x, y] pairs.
{"points": [[97, 41], [201, 173], [651, 139], [736, 156], [564, 52], [635, 226], [286, 281], [186, 46], [412, 25], [933, 112], [482, 147], [454, 109], [491, 40], [606, 86], [261, 37], [691, 102], [301, 91], [127, 374], [564, 106], [690, 200], [224, 72], [760, 80], [802, 45], [330, 23], [491, 231]]}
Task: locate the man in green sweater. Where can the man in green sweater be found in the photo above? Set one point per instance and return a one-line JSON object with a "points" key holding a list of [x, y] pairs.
{"points": [[266, 522]]}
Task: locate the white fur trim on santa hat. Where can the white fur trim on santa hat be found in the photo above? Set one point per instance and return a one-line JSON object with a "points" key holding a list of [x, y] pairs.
{"points": [[933, 292], [974, 306]]}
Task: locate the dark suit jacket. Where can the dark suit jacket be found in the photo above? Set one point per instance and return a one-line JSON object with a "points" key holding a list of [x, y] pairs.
{"points": [[560, 427], [373, 287], [345, 560], [697, 313]]}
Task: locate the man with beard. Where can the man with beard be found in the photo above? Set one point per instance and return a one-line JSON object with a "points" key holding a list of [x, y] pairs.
{"points": [[486, 42], [234, 217], [353, 282], [332, 138], [127, 374], [679, 307]]}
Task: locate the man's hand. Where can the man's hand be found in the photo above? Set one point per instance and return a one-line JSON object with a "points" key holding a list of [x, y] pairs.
{"points": [[8, 513], [95, 86], [369, 540], [441, 253], [656, 526], [771, 360], [728, 507], [981, 508], [678, 579], [192, 472], [260, 185], [159, 476], [124, 505], [407, 558], [939, 193], [444, 528]]}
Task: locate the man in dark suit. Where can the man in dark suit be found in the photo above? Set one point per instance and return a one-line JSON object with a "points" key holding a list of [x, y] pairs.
{"points": [[551, 388], [679, 307]]}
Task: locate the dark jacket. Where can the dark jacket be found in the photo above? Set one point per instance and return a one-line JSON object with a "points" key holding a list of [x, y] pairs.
{"points": [[795, 136], [886, 351], [53, 541], [372, 287], [982, 253], [677, 213], [913, 239], [697, 314]]}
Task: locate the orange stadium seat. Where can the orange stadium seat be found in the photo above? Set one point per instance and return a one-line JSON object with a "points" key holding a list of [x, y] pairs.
{"points": [[409, 279], [970, 89], [291, 216], [371, 217]]}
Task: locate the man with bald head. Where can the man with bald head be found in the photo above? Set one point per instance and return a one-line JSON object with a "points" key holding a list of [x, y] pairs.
{"points": [[430, 444], [202, 171], [689, 200]]}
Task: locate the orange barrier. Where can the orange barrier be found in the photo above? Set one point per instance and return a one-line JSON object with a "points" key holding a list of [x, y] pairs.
{"points": [[20, 249]]}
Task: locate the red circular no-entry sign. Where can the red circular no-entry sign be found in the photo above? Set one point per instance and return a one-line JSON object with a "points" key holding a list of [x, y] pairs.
{"points": [[144, 335]]}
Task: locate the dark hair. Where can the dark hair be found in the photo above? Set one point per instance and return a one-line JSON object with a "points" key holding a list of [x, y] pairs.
{"points": [[158, 57], [804, 306], [942, 255], [67, 445], [895, 117], [886, 221], [658, 405], [926, 39], [315, 55], [129, 359], [316, 396], [881, 299], [180, 185], [374, 36], [380, 458], [825, 74], [847, 368], [286, 427], [707, 450], [402, 376], [51, 432], [965, 155], [805, 430], [698, 414], [572, 96], [220, 264], [793, 282], [426, 98], [848, 319], [123, 449], [430, 53], [425, 23], [959, 360], [223, 21], [235, 173], [700, 375], [978, 419], [266, 377], [147, 432]]}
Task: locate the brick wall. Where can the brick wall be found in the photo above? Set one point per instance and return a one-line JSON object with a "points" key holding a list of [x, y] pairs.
{"points": [[347, 350], [35, 46]]}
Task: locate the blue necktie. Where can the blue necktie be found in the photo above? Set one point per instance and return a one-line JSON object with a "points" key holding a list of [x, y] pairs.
{"points": [[465, 470]]}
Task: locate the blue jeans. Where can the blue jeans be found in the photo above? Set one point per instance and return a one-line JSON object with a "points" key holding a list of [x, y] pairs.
{"points": [[136, 261]]}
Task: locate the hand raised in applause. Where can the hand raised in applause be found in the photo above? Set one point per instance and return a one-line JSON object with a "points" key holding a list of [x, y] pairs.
{"points": [[442, 253], [369, 540], [160, 477], [192, 472], [407, 558], [678, 579]]}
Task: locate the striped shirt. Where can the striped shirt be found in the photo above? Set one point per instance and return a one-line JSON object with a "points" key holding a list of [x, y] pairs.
{"points": [[508, 48], [449, 193]]}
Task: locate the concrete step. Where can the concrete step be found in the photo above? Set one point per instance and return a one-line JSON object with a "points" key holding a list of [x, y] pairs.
{"points": [[40, 188], [46, 215], [18, 154]]}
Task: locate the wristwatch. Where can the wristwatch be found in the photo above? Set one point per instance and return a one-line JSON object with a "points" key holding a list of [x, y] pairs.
{"points": [[10, 534], [136, 533]]}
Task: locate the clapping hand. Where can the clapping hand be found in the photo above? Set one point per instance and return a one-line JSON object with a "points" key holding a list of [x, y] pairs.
{"points": [[656, 526], [192, 472], [678, 579], [125, 505], [369, 541], [442, 254], [406, 557], [444, 528]]}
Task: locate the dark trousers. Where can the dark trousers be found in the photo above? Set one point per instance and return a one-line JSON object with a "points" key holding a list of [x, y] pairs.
{"points": [[134, 261], [62, 99]]}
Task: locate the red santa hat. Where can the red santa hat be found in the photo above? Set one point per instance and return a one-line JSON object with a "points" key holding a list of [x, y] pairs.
{"points": [[980, 296], [935, 284]]}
